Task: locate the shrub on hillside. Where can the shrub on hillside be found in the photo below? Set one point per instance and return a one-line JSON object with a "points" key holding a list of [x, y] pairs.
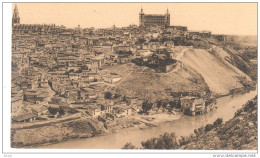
{"points": [[218, 122], [129, 146], [209, 127], [185, 140], [165, 141], [198, 132], [146, 106], [108, 95], [61, 111], [52, 110], [249, 106]]}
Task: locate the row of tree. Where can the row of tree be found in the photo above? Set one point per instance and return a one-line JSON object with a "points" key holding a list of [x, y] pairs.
{"points": [[169, 140], [147, 106]]}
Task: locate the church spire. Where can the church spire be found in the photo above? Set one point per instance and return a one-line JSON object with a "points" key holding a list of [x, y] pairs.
{"points": [[16, 18], [142, 11]]}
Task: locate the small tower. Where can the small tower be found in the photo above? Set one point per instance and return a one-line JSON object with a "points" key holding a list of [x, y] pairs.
{"points": [[16, 18], [141, 17], [167, 20]]}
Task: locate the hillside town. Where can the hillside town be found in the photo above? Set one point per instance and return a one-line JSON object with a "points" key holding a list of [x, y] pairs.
{"points": [[61, 74]]}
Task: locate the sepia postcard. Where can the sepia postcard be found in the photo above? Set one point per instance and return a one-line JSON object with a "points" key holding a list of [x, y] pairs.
{"points": [[134, 76]]}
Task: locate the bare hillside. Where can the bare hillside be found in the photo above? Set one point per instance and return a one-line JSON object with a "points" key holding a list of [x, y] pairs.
{"points": [[218, 73], [202, 71], [143, 82]]}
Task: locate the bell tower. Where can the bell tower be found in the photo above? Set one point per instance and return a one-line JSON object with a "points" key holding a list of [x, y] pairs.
{"points": [[141, 17], [167, 22], [16, 18]]}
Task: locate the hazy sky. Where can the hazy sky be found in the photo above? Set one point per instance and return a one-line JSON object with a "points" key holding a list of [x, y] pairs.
{"points": [[226, 18]]}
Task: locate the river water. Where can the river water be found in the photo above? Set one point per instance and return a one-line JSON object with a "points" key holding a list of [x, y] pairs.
{"points": [[184, 126]]}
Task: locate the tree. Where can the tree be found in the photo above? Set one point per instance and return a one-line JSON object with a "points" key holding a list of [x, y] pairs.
{"points": [[165, 104], [196, 132], [159, 104], [219, 121], [108, 95], [199, 131], [52, 110], [179, 103], [165, 141], [146, 106], [129, 146], [150, 143], [61, 111], [209, 127], [249, 106], [173, 104], [184, 140]]}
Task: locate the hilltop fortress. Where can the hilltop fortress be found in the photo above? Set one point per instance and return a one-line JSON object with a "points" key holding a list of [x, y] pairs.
{"points": [[154, 19]]}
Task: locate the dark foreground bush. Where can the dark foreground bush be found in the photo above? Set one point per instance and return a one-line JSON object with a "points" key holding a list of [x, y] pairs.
{"points": [[165, 141], [129, 146], [218, 122], [209, 127]]}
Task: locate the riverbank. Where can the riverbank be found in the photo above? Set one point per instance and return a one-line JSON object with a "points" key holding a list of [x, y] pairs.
{"points": [[184, 126], [238, 133], [83, 128], [55, 133], [156, 119], [63, 134]]}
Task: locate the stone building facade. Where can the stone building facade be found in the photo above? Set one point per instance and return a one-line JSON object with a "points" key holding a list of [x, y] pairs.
{"points": [[192, 105], [147, 20]]}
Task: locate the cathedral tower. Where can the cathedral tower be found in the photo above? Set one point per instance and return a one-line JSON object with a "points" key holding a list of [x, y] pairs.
{"points": [[16, 18], [167, 21], [141, 17]]}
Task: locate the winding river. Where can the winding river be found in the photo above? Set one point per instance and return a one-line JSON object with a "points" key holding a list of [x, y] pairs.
{"points": [[184, 126]]}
